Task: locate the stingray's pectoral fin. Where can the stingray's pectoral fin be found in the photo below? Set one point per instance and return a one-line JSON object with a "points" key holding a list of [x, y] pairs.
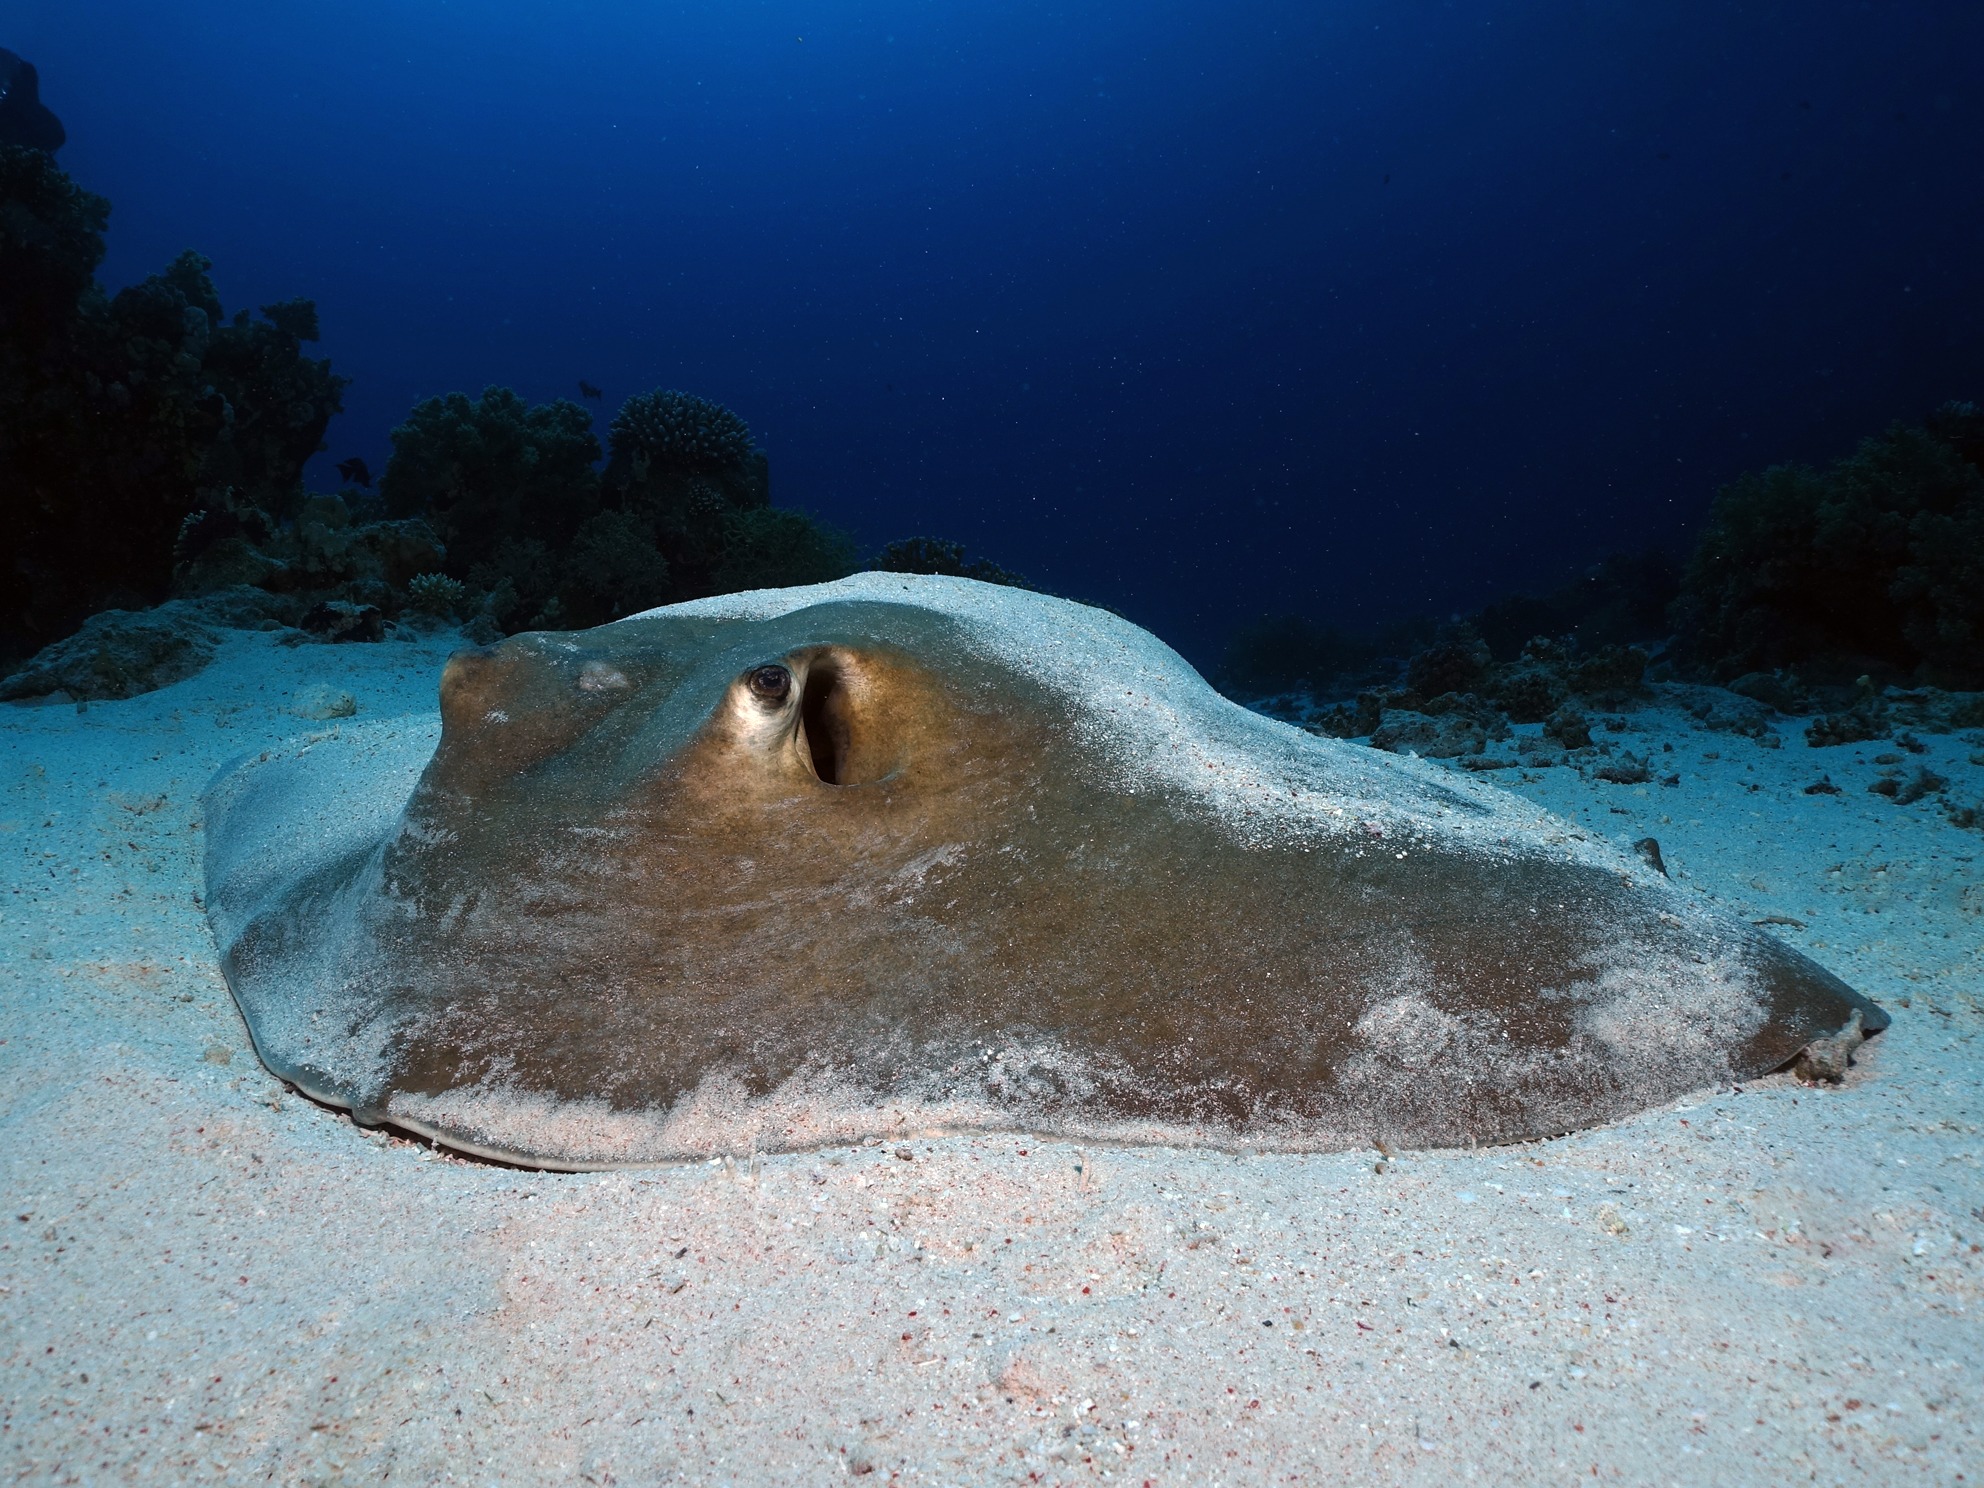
{"points": [[1825, 1061]]}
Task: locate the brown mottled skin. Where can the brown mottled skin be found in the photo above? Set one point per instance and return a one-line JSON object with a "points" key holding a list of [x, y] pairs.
{"points": [[846, 841]]}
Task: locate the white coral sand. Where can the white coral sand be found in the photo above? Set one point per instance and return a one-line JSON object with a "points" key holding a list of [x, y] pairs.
{"points": [[205, 1278]]}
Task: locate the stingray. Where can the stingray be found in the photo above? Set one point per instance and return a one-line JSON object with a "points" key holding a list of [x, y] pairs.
{"points": [[907, 853]]}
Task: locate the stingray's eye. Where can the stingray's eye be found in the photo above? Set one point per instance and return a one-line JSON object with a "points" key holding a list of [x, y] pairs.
{"points": [[770, 683]]}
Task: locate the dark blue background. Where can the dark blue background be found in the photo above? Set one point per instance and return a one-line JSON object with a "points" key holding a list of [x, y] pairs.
{"points": [[1196, 307]]}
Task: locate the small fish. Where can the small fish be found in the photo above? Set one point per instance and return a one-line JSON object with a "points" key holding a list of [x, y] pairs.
{"points": [[356, 471], [587, 390]]}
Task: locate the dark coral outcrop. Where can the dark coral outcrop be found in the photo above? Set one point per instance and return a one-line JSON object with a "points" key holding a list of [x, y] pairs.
{"points": [[152, 446], [1871, 565], [773, 547], [935, 555], [539, 536], [123, 415], [492, 472], [25, 120]]}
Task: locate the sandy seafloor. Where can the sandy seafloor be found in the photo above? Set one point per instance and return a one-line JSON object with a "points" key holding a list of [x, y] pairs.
{"points": [[205, 1278]]}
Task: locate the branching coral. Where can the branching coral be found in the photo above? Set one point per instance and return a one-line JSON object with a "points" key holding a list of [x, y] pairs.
{"points": [[688, 468], [540, 538], [673, 433], [493, 470], [613, 569], [437, 595]]}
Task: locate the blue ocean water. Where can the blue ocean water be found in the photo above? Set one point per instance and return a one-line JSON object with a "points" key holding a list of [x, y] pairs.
{"points": [[1197, 310]]}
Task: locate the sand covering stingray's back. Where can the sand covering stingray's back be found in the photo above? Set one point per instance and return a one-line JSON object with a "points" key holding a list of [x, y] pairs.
{"points": [[899, 852]]}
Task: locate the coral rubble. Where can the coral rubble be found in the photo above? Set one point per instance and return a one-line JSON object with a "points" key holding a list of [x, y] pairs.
{"points": [[121, 653]]}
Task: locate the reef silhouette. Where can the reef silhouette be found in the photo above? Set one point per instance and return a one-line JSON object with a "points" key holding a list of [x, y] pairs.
{"points": [[157, 447], [24, 119]]}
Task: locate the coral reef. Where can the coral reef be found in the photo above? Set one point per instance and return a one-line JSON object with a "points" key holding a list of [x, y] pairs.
{"points": [[1873, 565], [279, 401], [493, 470], [1907, 791], [122, 416], [1583, 698], [1533, 686], [1283, 653], [935, 555], [341, 620], [1610, 675], [51, 242], [671, 433], [1724, 712], [1406, 732], [538, 536], [1626, 770], [1866, 719], [612, 568], [1569, 727], [323, 552], [153, 446], [1778, 690], [688, 469], [1450, 698], [1459, 663], [1622, 599], [1813, 593], [119, 653], [1349, 720], [774, 547]]}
